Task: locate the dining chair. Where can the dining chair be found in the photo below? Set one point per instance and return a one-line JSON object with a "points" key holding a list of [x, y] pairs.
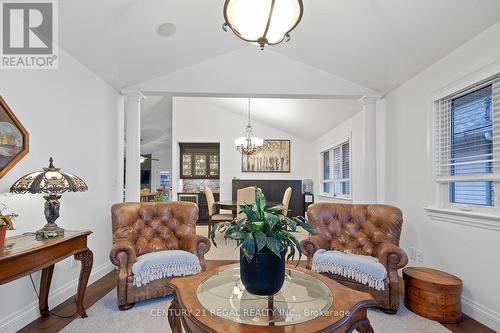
{"points": [[244, 196], [286, 200], [212, 217], [144, 196]]}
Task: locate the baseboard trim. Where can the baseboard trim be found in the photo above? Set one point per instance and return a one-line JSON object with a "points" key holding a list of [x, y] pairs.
{"points": [[27, 314], [481, 313]]}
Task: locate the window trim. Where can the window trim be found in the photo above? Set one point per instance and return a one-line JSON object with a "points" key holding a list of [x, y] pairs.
{"points": [[483, 220], [330, 147], [457, 89]]}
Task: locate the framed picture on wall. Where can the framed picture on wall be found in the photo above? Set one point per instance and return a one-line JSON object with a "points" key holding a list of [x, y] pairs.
{"points": [[13, 139], [274, 157]]}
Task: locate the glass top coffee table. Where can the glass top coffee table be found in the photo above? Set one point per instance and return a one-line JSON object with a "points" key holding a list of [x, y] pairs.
{"points": [[302, 298], [216, 300]]}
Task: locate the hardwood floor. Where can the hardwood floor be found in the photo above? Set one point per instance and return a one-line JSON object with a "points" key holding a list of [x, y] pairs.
{"points": [[468, 325], [100, 288], [94, 292]]}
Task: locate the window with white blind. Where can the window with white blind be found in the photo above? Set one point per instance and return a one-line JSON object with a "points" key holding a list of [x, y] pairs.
{"points": [[467, 144], [336, 171]]}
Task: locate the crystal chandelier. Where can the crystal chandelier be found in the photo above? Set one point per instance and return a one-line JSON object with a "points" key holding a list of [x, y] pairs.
{"points": [[264, 22], [249, 144]]}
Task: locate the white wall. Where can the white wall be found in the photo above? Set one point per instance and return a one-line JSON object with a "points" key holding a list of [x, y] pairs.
{"points": [[198, 120], [70, 114], [468, 252], [405, 176]]}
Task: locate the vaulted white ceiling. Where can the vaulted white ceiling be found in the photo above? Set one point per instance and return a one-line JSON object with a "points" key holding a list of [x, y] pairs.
{"points": [[305, 118], [118, 39], [376, 44], [383, 43]]}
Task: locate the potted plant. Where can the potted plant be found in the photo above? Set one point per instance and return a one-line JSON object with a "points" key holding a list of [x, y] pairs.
{"points": [[265, 237], [158, 197], [6, 223]]}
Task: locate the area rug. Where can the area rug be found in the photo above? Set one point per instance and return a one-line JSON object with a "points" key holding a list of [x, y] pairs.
{"points": [[150, 316]]}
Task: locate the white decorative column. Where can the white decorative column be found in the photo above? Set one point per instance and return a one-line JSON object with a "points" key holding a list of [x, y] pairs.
{"points": [[133, 145], [120, 148], [155, 174], [367, 188]]}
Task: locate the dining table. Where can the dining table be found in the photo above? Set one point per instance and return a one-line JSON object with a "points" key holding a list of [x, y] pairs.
{"points": [[232, 205]]}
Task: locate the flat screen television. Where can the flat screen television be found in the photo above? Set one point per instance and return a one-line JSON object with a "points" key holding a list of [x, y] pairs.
{"points": [[145, 178]]}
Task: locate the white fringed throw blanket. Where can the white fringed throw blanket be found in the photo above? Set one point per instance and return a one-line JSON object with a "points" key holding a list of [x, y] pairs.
{"points": [[161, 264], [363, 269]]}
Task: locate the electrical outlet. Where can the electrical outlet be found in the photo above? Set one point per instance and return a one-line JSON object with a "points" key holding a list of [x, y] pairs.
{"points": [[72, 262], [420, 256], [413, 253]]}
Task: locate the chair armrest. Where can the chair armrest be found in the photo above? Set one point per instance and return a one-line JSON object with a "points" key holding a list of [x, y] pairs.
{"points": [[390, 255], [313, 244], [123, 254], [197, 245]]}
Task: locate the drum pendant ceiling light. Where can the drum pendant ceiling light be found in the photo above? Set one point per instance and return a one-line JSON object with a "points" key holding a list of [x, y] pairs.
{"points": [[265, 22]]}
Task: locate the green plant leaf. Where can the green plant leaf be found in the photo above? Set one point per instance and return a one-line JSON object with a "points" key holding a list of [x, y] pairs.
{"points": [[260, 239], [299, 248], [291, 255], [215, 228], [304, 224], [272, 220], [274, 245], [251, 215], [238, 223], [256, 226], [260, 202], [291, 224], [283, 234], [248, 247], [276, 209], [261, 228], [236, 235]]}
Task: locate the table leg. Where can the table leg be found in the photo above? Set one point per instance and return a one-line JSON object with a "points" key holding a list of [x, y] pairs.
{"points": [[270, 309], [174, 315], [86, 257], [43, 303], [364, 327]]}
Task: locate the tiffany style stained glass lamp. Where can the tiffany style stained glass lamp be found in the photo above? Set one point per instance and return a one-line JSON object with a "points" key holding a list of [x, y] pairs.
{"points": [[52, 182]]}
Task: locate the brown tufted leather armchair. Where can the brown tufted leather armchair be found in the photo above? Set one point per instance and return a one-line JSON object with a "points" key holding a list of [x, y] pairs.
{"points": [[140, 228], [372, 230]]}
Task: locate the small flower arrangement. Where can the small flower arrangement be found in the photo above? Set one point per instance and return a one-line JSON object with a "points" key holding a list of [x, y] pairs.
{"points": [[7, 219]]}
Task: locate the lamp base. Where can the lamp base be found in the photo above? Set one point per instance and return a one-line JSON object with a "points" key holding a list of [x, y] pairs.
{"points": [[50, 230]]}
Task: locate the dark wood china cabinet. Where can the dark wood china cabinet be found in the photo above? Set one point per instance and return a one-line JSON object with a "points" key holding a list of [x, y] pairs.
{"points": [[199, 160]]}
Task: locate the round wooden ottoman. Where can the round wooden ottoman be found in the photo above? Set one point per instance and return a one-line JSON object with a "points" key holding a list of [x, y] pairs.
{"points": [[433, 294]]}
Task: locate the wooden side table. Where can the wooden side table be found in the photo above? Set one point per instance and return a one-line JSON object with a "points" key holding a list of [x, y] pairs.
{"points": [[433, 294], [23, 255]]}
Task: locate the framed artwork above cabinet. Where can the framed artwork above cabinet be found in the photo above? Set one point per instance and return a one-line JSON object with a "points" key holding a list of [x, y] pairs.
{"points": [[199, 160]]}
